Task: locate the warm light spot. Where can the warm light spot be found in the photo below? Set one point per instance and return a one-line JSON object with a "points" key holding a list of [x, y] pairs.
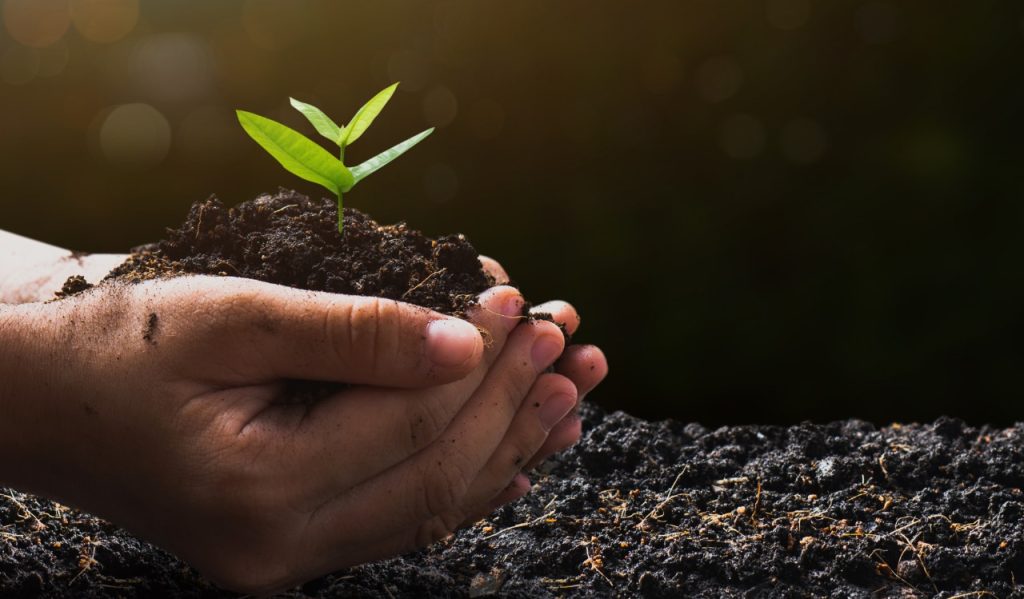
{"points": [[19, 65], [486, 118], [440, 183], [803, 141], [134, 136], [742, 136], [662, 72], [719, 79], [878, 23], [275, 24], [788, 14], [173, 67], [410, 68], [37, 23], [440, 106], [104, 21]]}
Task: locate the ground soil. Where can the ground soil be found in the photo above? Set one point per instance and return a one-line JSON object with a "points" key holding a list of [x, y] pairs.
{"points": [[656, 509], [660, 509]]}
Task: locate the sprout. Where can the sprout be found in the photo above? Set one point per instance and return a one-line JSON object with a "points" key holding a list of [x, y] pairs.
{"points": [[302, 157]]}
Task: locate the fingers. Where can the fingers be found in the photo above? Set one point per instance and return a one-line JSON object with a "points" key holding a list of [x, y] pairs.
{"points": [[551, 398], [496, 313], [270, 332], [393, 424], [586, 367], [561, 313], [431, 487], [565, 434], [494, 269]]}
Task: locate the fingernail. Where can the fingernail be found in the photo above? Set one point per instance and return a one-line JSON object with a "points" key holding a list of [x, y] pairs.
{"points": [[554, 409], [545, 349], [450, 341], [513, 306]]}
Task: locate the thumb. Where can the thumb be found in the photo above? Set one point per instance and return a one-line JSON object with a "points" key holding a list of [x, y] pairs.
{"points": [[351, 339]]}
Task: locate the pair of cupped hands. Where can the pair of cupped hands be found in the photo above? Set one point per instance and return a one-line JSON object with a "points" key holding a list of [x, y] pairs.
{"points": [[162, 407]]}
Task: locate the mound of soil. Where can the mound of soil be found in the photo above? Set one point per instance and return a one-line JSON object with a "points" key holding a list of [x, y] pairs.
{"points": [[658, 509], [290, 239]]}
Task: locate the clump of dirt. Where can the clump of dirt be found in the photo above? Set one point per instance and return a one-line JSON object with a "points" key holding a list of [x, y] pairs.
{"points": [[660, 509], [74, 285], [290, 239]]}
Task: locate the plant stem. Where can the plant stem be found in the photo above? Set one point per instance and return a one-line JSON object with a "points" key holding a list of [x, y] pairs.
{"points": [[341, 215]]}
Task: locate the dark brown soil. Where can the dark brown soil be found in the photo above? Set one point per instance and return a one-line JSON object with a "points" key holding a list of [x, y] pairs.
{"points": [[654, 509], [290, 239]]}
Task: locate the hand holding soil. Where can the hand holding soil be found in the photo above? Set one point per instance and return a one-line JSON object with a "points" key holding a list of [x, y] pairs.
{"points": [[165, 406]]}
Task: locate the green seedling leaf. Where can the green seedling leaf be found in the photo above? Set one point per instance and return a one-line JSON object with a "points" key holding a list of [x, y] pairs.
{"points": [[297, 153], [369, 167], [320, 121], [364, 117]]}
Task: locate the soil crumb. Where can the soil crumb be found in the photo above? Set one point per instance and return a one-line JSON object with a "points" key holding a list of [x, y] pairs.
{"points": [[73, 285], [653, 509], [149, 335], [289, 239]]}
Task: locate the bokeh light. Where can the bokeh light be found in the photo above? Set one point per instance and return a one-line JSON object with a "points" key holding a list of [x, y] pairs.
{"points": [[37, 23], [134, 136], [104, 21], [173, 67]]}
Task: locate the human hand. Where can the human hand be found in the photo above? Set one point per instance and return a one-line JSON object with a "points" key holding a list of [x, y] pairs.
{"points": [[31, 271], [585, 365], [162, 407]]}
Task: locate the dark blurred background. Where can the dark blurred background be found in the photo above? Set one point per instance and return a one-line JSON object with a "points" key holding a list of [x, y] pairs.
{"points": [[766, 210]]}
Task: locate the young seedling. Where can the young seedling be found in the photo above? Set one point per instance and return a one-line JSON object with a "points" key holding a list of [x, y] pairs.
{"points": [[302, 157]]}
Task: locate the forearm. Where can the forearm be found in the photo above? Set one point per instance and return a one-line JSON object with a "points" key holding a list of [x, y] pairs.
{"points": [[18, 399], [32, 271]]}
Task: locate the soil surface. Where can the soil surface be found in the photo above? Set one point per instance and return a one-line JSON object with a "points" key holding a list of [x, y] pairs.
{"points": [[290, 239], [656, 509]]}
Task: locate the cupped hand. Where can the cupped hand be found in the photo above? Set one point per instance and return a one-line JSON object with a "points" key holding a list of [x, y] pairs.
{"points": [[166, 407], [585, 365]]}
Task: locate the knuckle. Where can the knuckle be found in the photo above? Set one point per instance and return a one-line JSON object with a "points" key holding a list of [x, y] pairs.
{"points": [[551, 383], [369, 336]]}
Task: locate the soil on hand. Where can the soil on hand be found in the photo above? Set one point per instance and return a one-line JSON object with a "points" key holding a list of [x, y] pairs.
{"points": [[653, 509], [290, 239]]}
